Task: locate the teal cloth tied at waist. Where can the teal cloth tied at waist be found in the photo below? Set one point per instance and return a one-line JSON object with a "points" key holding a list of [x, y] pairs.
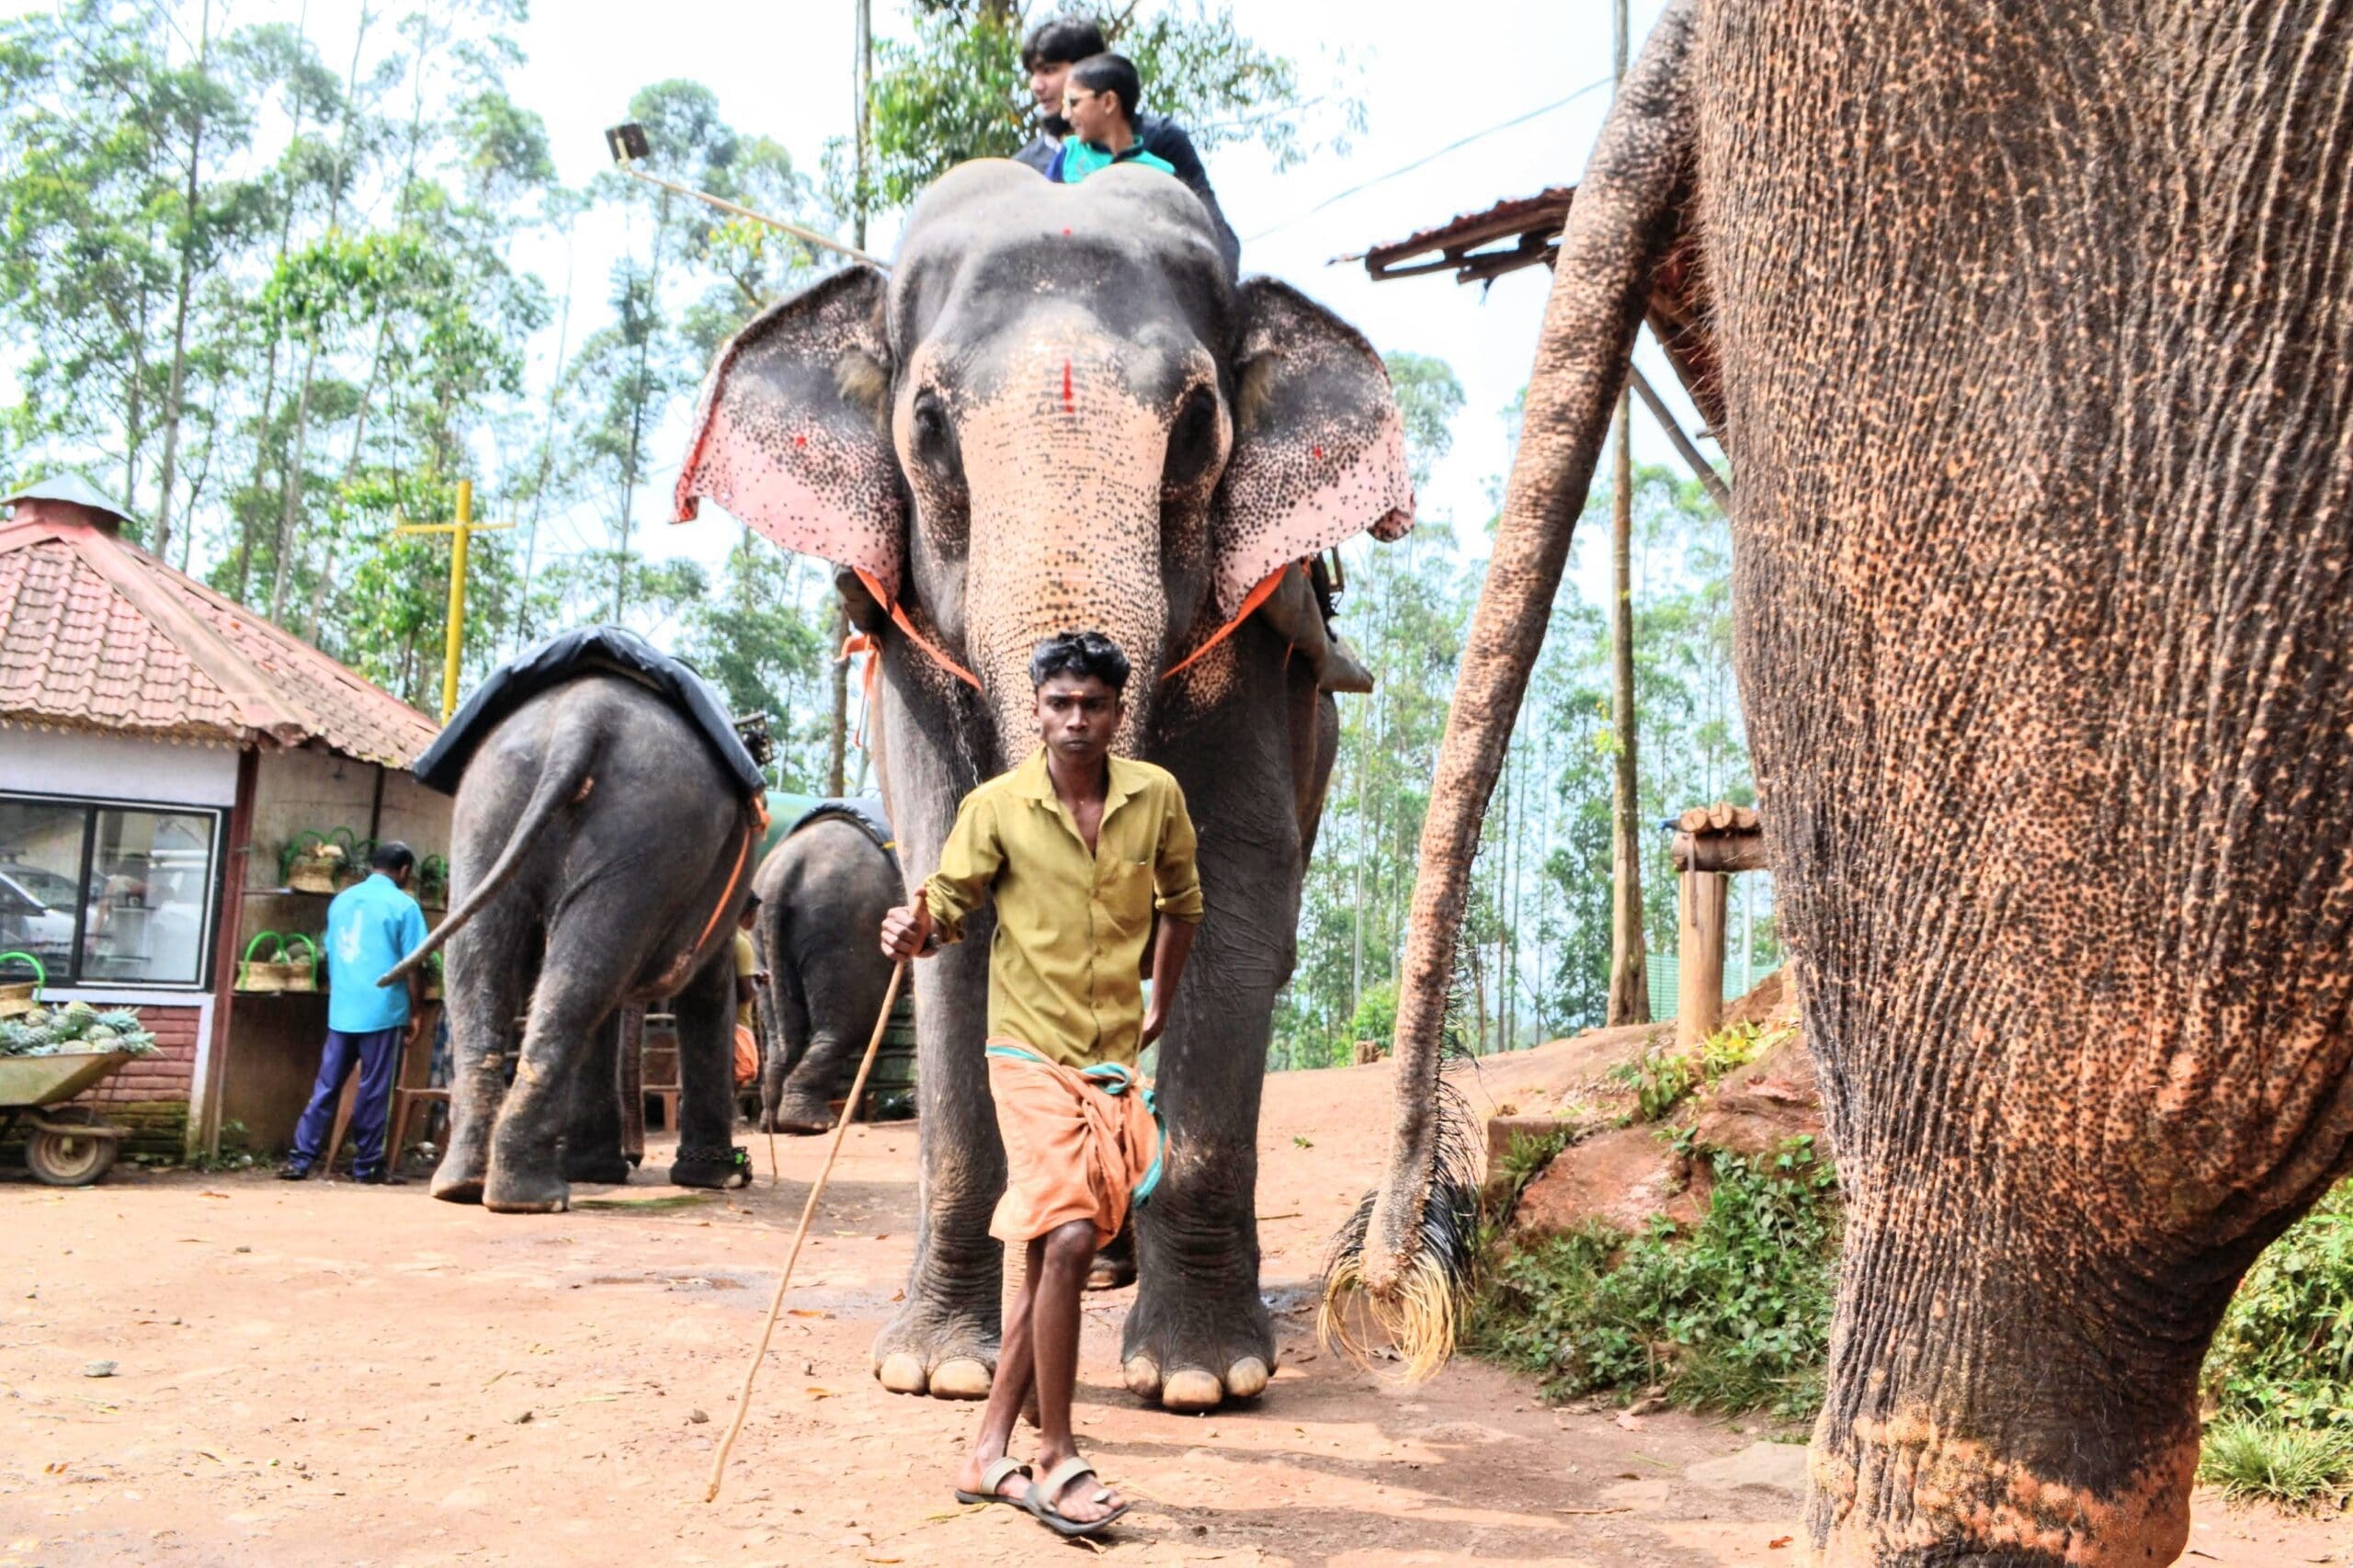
{"points": [[1113, 1080]]}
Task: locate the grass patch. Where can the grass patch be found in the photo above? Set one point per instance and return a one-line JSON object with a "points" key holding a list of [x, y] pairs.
{"points": [[2279, 1374], [1734, 1315], [1662, 1077]]}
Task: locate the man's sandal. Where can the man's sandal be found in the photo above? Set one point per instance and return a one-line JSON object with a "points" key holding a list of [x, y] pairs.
{"points": [[1044, 1494], [993, 1478]]}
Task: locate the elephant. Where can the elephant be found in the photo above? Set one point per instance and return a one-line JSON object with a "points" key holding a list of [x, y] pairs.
{"points": [[599, 861], [823, 890], [1059, 411], [2029, 327]]}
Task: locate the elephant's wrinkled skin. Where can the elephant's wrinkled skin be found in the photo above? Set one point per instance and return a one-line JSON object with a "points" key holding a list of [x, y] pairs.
{"points": [[1058, 413], [2034, 324], [595, 847], [823, 892]]}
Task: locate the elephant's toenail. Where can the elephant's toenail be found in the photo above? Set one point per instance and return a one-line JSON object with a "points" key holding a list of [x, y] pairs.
{"points": [[961, 1379], [1246, 1379], [901, 1373], [1192, 1389], [1142, 1375]]}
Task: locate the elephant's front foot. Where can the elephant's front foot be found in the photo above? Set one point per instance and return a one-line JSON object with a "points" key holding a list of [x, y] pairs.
{"points": [[458, 1177], [803, 1116], [599, 1167], [946, 1352], [515, 1188], [718, 1168], [1193, 1347]]}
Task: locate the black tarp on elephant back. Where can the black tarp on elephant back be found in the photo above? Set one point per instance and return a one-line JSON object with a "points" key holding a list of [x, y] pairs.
{"points": [[592, 650]]}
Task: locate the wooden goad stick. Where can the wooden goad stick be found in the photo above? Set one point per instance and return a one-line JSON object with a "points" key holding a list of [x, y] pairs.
{"points": [[808, 1212]]}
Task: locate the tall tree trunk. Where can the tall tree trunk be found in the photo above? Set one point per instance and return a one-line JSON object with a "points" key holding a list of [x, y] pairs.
{"points": [[1629, 980], [186, 287], [547, 439]]}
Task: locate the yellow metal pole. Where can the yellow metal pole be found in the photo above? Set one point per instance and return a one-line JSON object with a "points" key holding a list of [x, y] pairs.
{"points": [[455, 641]]}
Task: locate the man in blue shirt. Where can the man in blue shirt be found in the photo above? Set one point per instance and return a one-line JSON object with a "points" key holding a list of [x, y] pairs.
{"points": [[370, 928]]}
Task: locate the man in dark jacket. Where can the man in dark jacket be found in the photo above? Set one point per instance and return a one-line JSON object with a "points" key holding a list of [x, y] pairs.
{"points": [[1052, 47]]}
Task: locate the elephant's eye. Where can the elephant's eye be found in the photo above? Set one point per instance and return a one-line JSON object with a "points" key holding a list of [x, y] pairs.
{"points": [[933, 440], [1192, 439]]}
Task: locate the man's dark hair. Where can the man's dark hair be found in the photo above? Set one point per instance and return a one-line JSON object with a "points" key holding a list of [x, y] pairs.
{"points": [[392, 857], [1113, 73], [1061, 40], [1082, 653]]}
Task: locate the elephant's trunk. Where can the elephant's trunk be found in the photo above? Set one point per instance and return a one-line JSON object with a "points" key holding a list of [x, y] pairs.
{"points": [[1408, 1250], [1065, 469]]}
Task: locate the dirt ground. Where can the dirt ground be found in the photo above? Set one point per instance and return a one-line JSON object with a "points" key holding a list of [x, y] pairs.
{"points": [[329, 1373]]}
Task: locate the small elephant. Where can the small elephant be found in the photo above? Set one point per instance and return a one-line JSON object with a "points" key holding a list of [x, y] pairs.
{"points": [[822, 892], [600, 860]]}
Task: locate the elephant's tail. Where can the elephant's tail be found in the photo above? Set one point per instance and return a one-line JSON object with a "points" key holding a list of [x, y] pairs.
{"points": [[565, 779]]}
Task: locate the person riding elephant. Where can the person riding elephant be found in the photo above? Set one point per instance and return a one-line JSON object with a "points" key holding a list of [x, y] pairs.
{"points": [[2026, 330], [831, 876], [601, 853], [1060, 411]]}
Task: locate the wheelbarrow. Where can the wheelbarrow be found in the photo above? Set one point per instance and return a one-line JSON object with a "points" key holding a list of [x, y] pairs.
{"points": [[69, 1147]]}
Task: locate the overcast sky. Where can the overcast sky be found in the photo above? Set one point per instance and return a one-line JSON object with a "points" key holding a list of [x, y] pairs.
{"points": [[785, 70]]}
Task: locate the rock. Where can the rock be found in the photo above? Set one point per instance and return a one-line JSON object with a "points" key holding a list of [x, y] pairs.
{"points": [[1620, 1178], [1756, 1108], [1776, 1467], [98, 1370], [698, 1417]]}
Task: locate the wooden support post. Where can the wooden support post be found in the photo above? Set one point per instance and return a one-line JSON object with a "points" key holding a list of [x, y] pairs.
{"points": [[1701, 901]]}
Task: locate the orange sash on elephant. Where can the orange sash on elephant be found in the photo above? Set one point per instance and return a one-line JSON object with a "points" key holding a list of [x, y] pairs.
{"points": [[1078, 1145]]}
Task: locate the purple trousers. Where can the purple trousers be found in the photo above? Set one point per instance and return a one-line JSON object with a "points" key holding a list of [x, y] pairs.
{"points": [[377, 1054]]}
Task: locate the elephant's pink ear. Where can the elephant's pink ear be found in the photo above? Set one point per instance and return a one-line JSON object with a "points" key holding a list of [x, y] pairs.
{"points": [[791, 432], [1319, 447]]}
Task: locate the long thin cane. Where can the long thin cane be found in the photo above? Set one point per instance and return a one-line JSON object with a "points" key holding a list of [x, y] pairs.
{"points": [[808, 1212]]}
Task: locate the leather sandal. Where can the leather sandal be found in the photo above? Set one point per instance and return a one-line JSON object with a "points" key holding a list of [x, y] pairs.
{"points": [[1044, 1495], [993, 1478]]}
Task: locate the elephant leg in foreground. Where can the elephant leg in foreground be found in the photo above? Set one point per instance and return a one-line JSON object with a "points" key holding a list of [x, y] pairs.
{"points": [[943, 1339], [706, 1011], [591, 1139], [487, 964], [1199, 1331], [599, 935]]}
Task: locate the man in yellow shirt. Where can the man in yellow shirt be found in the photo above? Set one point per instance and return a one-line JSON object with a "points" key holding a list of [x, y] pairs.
{"points": [[1079, 849]]}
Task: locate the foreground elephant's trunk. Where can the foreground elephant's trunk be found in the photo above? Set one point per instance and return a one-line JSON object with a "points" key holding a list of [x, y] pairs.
{"points": [[1413, 1240]]}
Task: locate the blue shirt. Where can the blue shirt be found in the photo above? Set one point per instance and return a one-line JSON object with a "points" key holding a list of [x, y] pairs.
{"points": [[1077, 159], [370, 928]]}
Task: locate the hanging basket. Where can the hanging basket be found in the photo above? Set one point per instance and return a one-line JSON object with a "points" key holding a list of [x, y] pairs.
{"points": [[356, 855], [22, 996], [299, 972], [311, 861], [256, 973]]}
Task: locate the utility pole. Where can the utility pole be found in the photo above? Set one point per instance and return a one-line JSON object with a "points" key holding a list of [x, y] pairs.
{"points": [[1629, 979], [460, 534], [838, 724]]}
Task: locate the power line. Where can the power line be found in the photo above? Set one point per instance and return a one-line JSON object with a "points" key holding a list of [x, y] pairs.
{"points": [[1431, 157]]}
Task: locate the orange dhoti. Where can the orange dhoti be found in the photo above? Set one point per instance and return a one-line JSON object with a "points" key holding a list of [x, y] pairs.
{"points": [[1078, 1145]]}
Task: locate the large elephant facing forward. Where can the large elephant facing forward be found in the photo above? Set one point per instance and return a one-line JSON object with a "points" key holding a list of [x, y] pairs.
{"points": [[2033, 325], [1060, 413]]}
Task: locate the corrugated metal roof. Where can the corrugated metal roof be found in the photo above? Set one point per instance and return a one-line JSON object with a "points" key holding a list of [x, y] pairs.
{"points": [[97, 634]]}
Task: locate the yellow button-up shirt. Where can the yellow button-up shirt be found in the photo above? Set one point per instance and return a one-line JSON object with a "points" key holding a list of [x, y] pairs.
{"points": [[1069, 927]]}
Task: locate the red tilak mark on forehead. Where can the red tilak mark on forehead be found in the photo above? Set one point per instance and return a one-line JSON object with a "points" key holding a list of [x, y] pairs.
{"points": [[1319, 454], [1070, 404], [800, 440]]}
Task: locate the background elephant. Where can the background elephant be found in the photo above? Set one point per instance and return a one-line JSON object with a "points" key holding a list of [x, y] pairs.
{"points": [[597, 861], [824, 891], [1060, 412], [2032, 325]]}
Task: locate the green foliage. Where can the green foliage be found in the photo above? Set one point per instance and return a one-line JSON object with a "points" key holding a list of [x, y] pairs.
{"points": [[1733, 1316], [2256, 1460], [2280, 1373], [1528, 1154], [1662, 1075]]}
